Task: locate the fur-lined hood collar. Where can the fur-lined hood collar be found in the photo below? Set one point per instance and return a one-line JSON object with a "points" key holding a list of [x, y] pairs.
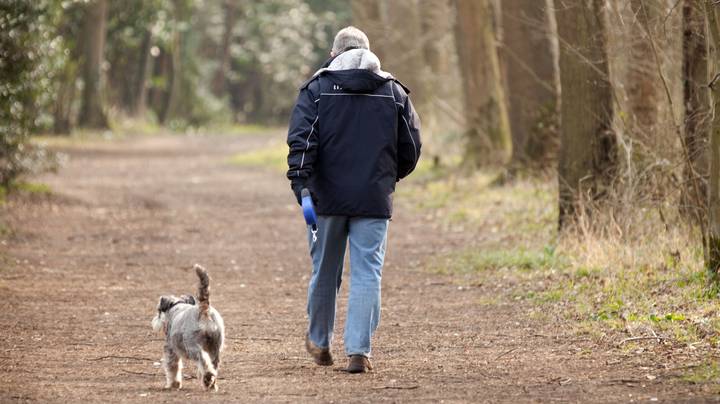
{"points": [[361, 59]]}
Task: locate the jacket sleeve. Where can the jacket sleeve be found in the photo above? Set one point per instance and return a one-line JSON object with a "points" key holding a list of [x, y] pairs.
{"points": [[302, 139], [408, 139]]}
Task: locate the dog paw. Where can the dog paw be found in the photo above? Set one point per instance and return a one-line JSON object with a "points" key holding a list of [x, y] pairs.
{"points": [[174, 385], [209, 381]]}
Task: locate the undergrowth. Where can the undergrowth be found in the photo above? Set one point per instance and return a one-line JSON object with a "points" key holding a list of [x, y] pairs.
{"points": [[648, 280]]}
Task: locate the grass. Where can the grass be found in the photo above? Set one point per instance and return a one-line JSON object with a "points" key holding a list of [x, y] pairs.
{"points": [[707, 372], [25, 188], [240, 130], [651, 279], [475, 260], [524, 209], [129, 127], [32, 189], [273, 156]]}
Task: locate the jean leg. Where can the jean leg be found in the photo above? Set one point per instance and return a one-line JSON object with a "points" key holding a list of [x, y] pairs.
{"points": [[327, 255], [368, 241]]}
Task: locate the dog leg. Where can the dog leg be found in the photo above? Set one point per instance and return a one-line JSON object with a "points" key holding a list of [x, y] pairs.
{"points": [[207, 372], [173, 369]]}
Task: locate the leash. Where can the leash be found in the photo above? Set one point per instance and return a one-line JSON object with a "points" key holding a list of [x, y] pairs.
{"points": [[309, 212]]}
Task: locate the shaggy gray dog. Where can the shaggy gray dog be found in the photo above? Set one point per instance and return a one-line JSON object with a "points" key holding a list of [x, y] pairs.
{"points": [[193, 331]]}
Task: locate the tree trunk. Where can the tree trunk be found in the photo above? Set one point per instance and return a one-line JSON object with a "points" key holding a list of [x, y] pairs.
{"points": [[219, 83], [399, 49], [588, 147], [92, 114], [530, 52], [139, 91], [369, 16], [62, 121], [405, 45], [440, 74], [174, 63], [643, 84], [487, 129], [712, 251], [172, 75], [697, 108]]}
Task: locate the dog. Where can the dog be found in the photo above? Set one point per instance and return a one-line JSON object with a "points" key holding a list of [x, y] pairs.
{"points": [[193, 331]]}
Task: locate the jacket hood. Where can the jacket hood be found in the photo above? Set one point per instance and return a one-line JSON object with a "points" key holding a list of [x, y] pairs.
{"points": [[356, 70]]}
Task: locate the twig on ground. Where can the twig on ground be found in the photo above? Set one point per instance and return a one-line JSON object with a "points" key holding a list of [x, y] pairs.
{"points": [[136, 358], [132, 372], [624, 381], [562, 381], [657, 337], [545, 336], [293, 358], [505, 353], [413, 387], [254, 339]]}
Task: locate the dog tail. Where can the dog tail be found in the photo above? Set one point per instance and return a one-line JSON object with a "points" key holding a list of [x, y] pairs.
{"points": [[203, 290]]}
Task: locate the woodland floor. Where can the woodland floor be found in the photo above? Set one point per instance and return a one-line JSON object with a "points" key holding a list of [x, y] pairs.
{"points": [[83, 268]]}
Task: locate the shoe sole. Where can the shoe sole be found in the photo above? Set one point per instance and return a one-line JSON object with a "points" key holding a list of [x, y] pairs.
{"points": [[309, 347], [355, 368]]}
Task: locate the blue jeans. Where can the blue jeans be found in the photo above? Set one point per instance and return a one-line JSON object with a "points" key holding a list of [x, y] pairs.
{"points": [[368, 239]]}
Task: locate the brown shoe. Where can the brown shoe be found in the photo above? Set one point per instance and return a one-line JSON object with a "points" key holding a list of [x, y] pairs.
{"points": [[321, 356], [359, 364]]}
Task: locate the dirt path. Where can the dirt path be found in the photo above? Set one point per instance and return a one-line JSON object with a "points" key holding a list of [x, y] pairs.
{"points": [[84, 268]]}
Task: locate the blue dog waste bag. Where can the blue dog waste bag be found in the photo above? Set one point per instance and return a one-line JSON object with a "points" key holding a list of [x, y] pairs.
{"points": [[309, 212]]}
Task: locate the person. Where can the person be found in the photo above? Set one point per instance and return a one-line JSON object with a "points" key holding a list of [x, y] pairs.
{"points": [[353, 134]]}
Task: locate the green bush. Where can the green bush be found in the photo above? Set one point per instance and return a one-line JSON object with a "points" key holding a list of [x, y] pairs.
{"points": [[26, 47]]}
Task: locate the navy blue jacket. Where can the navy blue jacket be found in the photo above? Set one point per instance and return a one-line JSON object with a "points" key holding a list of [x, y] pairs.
{"points": [[353, 134]]}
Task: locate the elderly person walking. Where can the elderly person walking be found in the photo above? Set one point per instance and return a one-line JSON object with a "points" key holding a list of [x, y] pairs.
{"points": [[353, 134]]}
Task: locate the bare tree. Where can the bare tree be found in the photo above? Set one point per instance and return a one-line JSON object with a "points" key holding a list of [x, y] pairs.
{"points": [[487, 129], [92, 114], [530, 53], [369, 15], [712, 253], [643, 90], [697, 105], [219, 83], [62, 110], [401, 48], [440, 71], [138, 93], [588, 148]]}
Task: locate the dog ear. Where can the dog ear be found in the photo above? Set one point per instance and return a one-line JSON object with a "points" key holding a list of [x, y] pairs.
{"points": [[189, 299], [166, 303]]}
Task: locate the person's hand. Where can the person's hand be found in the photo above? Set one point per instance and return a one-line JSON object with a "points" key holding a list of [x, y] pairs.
{"points": [[297, 187]]}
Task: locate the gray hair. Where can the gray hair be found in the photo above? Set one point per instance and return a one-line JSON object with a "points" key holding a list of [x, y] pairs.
{"points": [[350, 38]]}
